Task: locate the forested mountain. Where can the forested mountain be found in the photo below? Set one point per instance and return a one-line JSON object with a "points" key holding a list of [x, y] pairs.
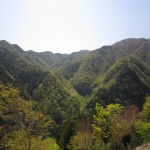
{"points": [[83, 72], [16, 69], [30, 71], [68, 87], [126, 82], [41, 59], [28, 68]]}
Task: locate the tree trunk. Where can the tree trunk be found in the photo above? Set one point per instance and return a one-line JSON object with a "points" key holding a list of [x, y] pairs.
{"points": [[29, 142], [29, 138]]}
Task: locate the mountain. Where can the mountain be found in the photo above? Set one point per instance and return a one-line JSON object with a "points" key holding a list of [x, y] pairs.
{"points": [[82, 73], [73, 56], [16, 69], [57, 97], [45, 60], [66, 87], [126, 82], [27, 68], [54, 96], [85, 71]]}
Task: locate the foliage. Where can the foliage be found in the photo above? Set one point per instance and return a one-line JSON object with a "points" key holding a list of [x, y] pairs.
{"points": [[56, 98], [114, 127], [123, 129], [146, 110], [81, 141], [104, 119], [83, 138], [12, 105], [143, 126], [59, 100], [19, 142], [143, 129], [83, 85]]}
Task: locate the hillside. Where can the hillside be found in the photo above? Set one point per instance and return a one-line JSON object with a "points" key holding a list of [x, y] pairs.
{"points": [[28, 68], [82, 69], [57, 98], [16, 69], [82, 73], [69, 88], [126, 82]]}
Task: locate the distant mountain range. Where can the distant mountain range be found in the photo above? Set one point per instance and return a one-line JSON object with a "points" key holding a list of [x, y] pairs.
{"points": [[119, 73]]}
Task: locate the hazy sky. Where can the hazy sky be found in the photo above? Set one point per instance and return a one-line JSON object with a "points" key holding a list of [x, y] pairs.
{"points": [[70, 25]]}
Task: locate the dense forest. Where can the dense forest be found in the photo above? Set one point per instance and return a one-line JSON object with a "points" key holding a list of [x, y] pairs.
{"points": [[86, 100]]}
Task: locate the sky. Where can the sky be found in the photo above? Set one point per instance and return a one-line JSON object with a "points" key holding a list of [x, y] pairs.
{"points": [[65, 26]]}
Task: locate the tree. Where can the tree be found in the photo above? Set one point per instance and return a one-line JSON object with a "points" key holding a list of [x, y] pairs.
{"points": [[124, 126], [103, 120], [19, 142], [146, 110], [32, 122], [83, 138], [143, 126]]}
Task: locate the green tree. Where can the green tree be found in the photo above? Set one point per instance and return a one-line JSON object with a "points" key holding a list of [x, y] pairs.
{"points": [[143, 126], [146, 110], [103, 120], [19, 142], [33, 123]]}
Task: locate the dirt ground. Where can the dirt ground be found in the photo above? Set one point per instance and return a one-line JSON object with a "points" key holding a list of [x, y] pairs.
{"points": [[144, 147]]}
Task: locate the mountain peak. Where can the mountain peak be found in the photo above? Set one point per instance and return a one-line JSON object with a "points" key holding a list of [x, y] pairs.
{"points": [[4, 43]]}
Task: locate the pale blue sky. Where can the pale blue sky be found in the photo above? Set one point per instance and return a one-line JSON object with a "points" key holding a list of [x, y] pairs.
{"points": [[70, 25]]}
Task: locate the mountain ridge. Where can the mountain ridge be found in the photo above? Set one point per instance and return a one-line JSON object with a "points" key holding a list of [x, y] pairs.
{"points": [[82, 69]]}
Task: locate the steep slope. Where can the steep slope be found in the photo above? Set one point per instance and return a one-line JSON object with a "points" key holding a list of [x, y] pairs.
{"points": [[50, 60], [82, 73], [137, 47], [28, 68], [57, 98], [14, 68], [126, 82], [70, 57], [83, 69], [45, 59]]}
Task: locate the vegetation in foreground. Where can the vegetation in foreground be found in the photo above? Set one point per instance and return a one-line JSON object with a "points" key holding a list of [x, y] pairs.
{"points": [[111, 127]]}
